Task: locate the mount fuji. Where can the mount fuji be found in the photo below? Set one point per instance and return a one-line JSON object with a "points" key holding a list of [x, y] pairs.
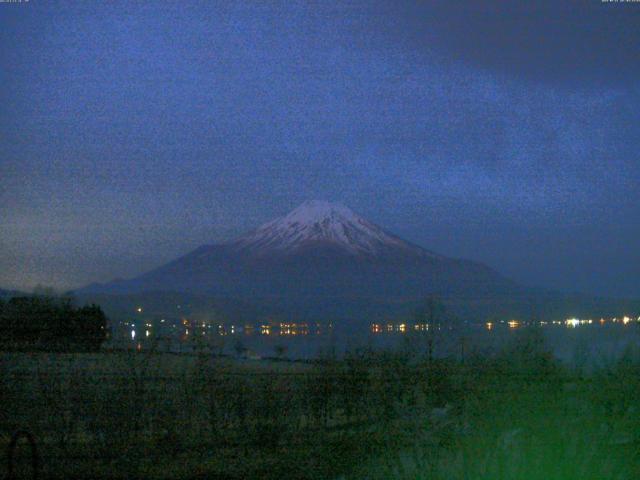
{"points": [[320, 259], [317, 224]]}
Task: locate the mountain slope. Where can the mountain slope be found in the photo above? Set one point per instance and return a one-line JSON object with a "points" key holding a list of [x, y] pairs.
{"points": [[319, 256], [315, 223]]}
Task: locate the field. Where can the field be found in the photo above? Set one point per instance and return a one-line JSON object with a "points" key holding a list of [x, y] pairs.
{"points": [[513, 414]]}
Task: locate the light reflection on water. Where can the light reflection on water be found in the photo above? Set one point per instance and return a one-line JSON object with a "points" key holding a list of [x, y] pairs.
{"points": [[591, 343]]}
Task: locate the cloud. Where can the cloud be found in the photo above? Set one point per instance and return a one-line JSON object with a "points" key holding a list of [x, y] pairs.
{"points": [[574, 42]]}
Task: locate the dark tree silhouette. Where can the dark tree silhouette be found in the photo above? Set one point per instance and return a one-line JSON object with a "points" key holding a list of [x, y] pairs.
{"points": [[52, 324], [91, 326], [239, 348], [432, 313], [280, 350]]}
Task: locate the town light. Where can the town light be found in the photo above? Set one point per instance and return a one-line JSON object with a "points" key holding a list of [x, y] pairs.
{"points": [[572, 322]]}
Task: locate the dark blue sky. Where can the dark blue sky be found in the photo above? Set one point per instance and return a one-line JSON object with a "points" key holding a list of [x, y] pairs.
{"points": [[132, 132]]}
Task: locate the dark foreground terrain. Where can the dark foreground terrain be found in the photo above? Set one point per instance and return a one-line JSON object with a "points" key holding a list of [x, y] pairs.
{"points": [[514, 414]]}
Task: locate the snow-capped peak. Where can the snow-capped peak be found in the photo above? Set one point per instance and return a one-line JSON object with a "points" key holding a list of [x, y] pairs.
{"points": [[320, 222], [314, 211]]}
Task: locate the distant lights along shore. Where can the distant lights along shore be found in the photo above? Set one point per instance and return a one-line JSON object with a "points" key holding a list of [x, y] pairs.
{"points": [[188, 327], [380, 328], [304, 328]]}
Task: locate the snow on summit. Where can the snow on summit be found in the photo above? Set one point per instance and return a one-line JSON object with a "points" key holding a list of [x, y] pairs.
{"points": [[321, 222], [315, 211]]}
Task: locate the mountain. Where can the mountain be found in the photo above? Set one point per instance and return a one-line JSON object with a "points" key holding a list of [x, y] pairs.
{"points": [[317, 224], [320, 258], [324, 261], [7, 294]]}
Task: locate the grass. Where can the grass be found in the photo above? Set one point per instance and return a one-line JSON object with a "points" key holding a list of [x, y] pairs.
{"points": [[525, 422], [517, 414]]}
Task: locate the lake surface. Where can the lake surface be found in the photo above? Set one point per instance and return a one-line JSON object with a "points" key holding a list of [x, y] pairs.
{"points": [[585, 345]]}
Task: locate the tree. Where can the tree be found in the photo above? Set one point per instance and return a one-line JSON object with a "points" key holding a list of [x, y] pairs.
{"points": [[280, 350], [239, 348], [91, 327], [46, 323], [430, 316]]}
